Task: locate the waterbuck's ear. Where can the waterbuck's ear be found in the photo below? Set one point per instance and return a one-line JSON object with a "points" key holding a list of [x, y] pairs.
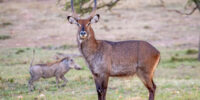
{"points": [[95, 19], [72, 20]]}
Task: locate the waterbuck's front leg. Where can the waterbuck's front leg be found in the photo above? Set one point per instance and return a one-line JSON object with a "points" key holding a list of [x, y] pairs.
{"points": [[101, 82]]}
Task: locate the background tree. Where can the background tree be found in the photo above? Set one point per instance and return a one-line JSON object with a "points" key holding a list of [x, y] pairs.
{"points": [[197, 7], [197, 3], [85, 6]]}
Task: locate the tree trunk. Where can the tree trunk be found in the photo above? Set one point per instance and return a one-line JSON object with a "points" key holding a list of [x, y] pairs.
{"points": [[199, 48], [197, 2]]}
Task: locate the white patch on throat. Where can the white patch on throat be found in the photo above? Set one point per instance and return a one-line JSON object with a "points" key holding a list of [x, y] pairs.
{"points": [[80, 40]]}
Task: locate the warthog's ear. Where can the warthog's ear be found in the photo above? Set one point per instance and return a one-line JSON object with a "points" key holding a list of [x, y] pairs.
{"points": [[65, 62], [95, 19], [72, 20]]}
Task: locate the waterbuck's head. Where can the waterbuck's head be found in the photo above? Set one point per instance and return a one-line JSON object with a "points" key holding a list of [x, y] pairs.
{"points": [[85, 30]]}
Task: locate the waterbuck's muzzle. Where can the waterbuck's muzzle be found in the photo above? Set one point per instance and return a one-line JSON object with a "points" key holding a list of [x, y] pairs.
{"points": [[83, 34]]}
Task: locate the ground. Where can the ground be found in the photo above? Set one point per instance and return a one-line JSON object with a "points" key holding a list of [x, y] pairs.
{"points": [[42, 25]]}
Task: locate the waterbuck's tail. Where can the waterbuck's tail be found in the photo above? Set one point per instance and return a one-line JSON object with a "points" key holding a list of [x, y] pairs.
{"points": [[32, 58]]}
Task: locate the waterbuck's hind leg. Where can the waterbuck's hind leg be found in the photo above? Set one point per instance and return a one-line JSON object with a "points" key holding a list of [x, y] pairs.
{"points": [[101, 86], [148, 82], [146, 71], [152, 88]]}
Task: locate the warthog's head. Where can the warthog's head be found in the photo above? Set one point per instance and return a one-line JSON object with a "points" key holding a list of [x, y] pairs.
{"points": [[69, 62]]}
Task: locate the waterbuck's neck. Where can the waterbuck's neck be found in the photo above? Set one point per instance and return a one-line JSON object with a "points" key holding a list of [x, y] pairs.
{"points": [[88, 47]]}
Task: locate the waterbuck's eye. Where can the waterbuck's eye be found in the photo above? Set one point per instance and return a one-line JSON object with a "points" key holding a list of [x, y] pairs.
{"points": [[88, 24], [78, 24]]}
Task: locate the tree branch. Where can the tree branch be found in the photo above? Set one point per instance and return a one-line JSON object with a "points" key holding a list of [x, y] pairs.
{"points": [[197, 3], [82, 10], [184, 13]]}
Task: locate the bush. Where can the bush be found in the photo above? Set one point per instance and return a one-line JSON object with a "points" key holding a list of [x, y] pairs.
{"points": [[191, 51], [4, 37]]}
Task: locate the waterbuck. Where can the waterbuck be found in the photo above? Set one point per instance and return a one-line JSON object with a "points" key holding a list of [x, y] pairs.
{"points": [[55, 69], [115, 59]]}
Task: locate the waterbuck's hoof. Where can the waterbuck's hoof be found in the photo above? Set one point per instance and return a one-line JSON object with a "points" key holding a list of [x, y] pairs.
{"points": [[30, 90], [79, 68], [63, 85]]}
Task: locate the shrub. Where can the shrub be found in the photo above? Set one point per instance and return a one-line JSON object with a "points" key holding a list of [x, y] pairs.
{"points": [[4, 37]]}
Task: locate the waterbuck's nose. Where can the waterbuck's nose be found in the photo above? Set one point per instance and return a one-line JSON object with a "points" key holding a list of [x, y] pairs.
{"points": [[82, 33]]}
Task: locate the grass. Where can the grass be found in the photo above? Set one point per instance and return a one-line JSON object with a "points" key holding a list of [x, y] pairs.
{"points": [[4, 37], [177, 78], [4, 24]]}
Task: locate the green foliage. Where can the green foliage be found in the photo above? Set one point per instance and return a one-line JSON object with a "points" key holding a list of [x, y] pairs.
{"points": [[11, 80], [61, 47], [180, 59], [191, 51], [19, 51], [78, 6], [189, 2], [176, 58], [4, 24], [85, 6], [196, 2], [4, 37]]}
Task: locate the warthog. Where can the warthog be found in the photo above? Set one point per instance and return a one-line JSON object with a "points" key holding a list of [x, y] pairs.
{"points": [[57, 69]]}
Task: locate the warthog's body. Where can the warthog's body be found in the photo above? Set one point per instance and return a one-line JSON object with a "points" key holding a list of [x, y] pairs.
{"points": [[57, 69]]}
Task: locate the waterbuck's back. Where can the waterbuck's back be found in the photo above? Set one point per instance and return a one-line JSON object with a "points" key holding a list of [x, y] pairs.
{"points": [[128, 56]]}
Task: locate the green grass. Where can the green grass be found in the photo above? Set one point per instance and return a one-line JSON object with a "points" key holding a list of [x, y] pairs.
{"points": [[177, 78], [4, 37]]}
